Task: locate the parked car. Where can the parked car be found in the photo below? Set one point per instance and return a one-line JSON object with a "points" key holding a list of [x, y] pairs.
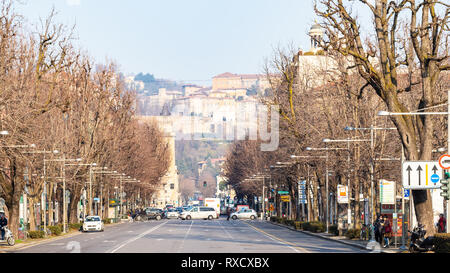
{"points": [[244, 214], [93, 223], [154, 213], [198, 212], [172, 213]]}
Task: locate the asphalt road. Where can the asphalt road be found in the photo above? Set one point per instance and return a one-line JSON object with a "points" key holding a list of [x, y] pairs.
{"points": [[192, 236]]}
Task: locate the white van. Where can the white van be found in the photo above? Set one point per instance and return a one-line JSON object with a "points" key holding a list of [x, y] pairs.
{"points": [[213, 203], [198, 212]]}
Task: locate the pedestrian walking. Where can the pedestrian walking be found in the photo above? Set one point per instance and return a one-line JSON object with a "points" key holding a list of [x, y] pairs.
{"points": [[228, 213], [441, 223], [387, 233]]}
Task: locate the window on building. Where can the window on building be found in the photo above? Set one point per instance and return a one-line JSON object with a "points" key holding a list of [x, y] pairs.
{"points": [[172, 186]]}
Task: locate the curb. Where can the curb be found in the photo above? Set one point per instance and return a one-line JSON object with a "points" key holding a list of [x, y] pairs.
{"points": [[330, 239], [24, 245]]}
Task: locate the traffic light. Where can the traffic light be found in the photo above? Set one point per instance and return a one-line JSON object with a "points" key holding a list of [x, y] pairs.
{"points": [[444, 186], [204, 184]]}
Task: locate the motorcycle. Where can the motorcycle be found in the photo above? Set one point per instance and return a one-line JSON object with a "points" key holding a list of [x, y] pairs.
{"points": [[418, 241], [9, 238]]}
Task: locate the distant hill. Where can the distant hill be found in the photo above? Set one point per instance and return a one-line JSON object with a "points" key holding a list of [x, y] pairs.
{"points": [[153, 85]]}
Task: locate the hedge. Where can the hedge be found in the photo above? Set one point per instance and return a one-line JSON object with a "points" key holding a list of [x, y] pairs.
{"points": [[55, 230], [298, 225], [76, 226], [442, 242], [314, 226], [333, 229], [353, 233], [35, 234]]}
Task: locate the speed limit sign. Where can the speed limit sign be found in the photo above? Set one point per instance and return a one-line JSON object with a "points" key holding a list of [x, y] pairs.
{"points": [[444, 162]]}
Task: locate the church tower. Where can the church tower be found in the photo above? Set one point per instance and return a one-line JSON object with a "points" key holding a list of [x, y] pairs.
{"points": [[316, 34]]}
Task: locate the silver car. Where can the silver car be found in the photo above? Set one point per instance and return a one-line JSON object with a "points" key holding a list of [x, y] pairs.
{"points": [[244, 214], [172, 213]]}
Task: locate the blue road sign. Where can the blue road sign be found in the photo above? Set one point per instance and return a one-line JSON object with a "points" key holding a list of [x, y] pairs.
{"points": [[435, 178], [407, 192]]}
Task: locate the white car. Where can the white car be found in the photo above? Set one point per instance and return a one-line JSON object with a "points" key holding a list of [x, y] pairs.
{"points": [[198, 212], [244, 214], [172, 213], [93, 223]]}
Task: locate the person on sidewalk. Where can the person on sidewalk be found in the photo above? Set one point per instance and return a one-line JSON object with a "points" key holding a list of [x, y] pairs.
{"points": [[378, 225], [387, 233], [3, 223], [228, 213], [441, 223]]}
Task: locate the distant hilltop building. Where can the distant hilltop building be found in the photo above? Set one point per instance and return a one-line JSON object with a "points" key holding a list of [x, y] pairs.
{"points": [[227, 81], [316, 34]]}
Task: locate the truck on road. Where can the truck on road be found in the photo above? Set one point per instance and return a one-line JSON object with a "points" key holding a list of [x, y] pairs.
{"points": [[213, 203]]}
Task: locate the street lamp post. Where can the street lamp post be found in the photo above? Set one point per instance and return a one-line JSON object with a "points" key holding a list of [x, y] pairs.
{"points": [[307, 189], [327, 140], [63, 171], [372, 147], [90, 184], [326, 149], [44, 206]]}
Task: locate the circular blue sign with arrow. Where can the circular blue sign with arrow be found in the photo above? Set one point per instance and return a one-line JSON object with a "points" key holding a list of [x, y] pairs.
{"points": [[435, 178]]}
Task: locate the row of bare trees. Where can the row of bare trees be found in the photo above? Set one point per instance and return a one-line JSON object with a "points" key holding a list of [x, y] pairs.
{"points": [[402, 67], [55, 96]]}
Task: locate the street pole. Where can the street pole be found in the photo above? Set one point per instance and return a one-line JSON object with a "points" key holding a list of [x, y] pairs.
{"points": [[263, 200], [403, 247], [308, 199], [64, 194], [45, 200], [448, 151], [372, 208], [120, 198], [349, 209], [90, 190], [326, 180]]}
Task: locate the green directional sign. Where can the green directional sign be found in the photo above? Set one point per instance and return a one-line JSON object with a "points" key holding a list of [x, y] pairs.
{"points": [[283, 192]]}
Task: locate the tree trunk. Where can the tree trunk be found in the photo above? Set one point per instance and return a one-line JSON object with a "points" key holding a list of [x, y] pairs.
{"points": [[32, 216]]}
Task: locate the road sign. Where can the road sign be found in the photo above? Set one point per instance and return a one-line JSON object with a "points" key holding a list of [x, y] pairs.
{"points": [[283, 192], [444, 162], [285, 198], [421, 174], [342, 194], [407, 192], [387, 192]]}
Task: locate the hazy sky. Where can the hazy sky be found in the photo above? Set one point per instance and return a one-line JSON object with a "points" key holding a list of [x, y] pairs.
{"points": [[183, 40]]}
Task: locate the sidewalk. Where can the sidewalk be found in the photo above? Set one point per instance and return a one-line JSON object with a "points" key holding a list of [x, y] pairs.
{"points": [[4, 247], [344, 240]]}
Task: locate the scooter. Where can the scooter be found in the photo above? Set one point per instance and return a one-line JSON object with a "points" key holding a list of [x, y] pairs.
{"points": [[9, 238], [418, 241]]}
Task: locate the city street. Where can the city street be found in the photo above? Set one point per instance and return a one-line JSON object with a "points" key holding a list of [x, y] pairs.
{"points": [[192, 236]]}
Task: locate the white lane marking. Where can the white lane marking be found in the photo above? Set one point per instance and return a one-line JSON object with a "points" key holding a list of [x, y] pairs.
{"points": [[185, 236], [226, 231], [278, 240], [137, 237]]}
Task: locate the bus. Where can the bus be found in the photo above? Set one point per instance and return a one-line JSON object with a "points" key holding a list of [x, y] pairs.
{"points": [[214, 203]]}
